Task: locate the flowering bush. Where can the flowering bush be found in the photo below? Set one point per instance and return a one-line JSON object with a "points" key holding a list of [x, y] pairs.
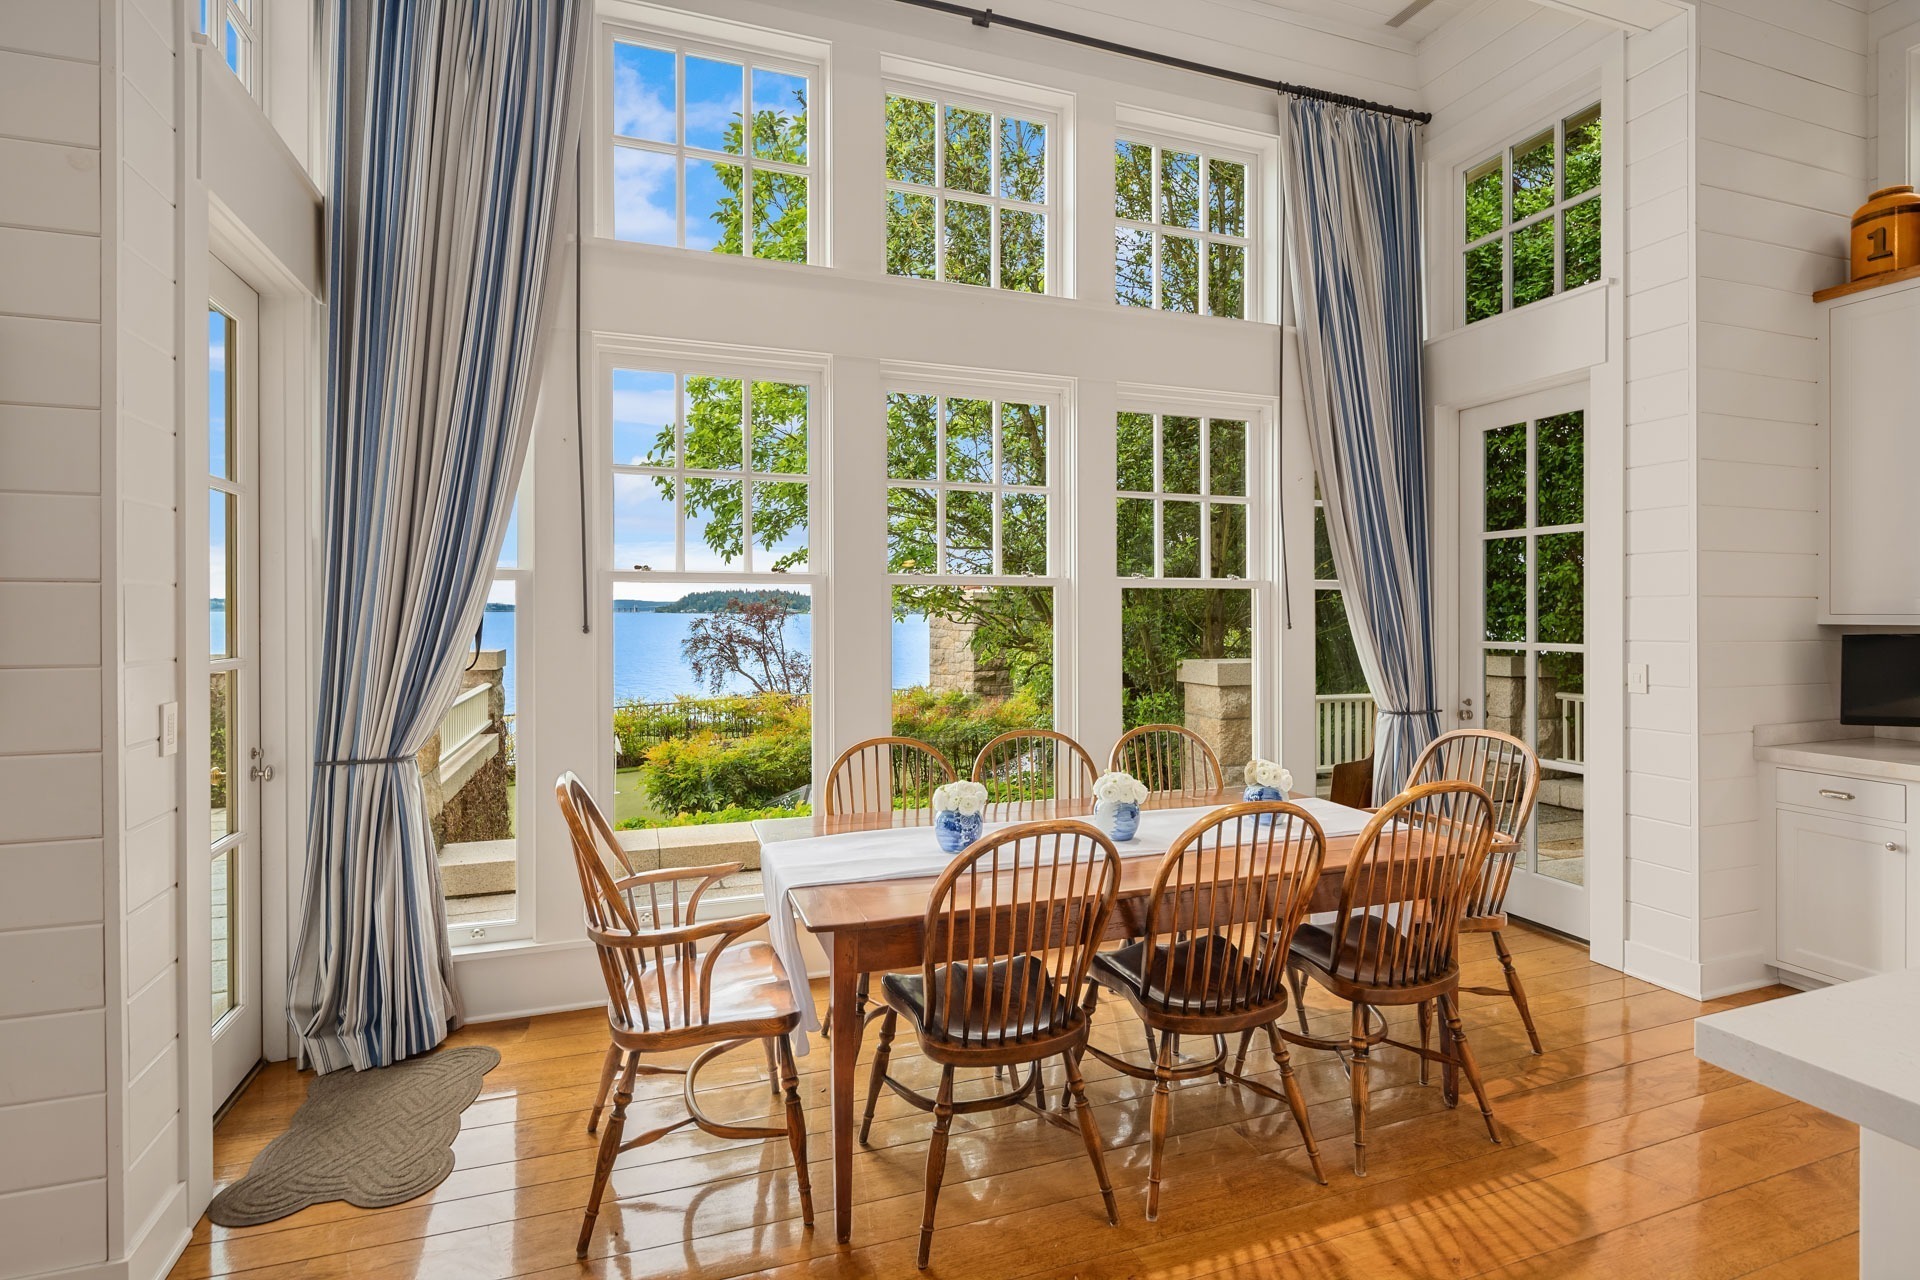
{"points": [[707, 770], [1268, 773], [1119, 788], [960, 797]]}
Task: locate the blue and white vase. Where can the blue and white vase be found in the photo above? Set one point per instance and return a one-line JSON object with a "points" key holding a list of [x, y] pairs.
{"points": [[1120, 819], [955, 830], [1259, 794]]}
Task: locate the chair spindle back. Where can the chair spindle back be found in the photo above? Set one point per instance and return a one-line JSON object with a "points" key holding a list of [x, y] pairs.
{"points": [[1414, 868], [1011, 929], [658, 980], [888, 775], [1508, 770], [1169, 758], [1025, 768], [1230, 879]]}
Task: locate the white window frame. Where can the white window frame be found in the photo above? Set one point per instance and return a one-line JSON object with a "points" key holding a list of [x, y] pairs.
{"points": [[1250, 242], [720, 46], [682, 360], [945, 88], [1057, 396], [993, 489], [1160, 495], [249, 20], [1554, 212]]}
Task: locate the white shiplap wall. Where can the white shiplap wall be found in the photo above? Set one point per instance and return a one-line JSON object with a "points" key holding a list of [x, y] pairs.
{"points": [[54, 1038], [90, 922], [1783, 98]]}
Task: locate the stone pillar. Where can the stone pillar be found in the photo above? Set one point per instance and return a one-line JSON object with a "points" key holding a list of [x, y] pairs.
{"points": [[952, 665], [474, 805], [1506, 693], [1219, 696]]}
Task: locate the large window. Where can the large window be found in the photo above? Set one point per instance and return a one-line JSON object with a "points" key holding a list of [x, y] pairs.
{"points": [[968, 533], [710, 149], [710, 621], [1182, 510], [970, 191], [1181, 238], [1343, 707], [1532, 218]]}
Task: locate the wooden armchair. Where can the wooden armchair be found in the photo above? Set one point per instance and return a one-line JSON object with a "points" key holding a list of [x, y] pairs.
{"points": [[665, 994]]}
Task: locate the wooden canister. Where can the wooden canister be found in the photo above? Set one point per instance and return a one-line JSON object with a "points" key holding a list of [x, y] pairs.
{"points": [[1886, 232]]}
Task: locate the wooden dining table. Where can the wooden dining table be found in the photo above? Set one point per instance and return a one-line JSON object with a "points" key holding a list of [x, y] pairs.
{"points": [[877, 926]]}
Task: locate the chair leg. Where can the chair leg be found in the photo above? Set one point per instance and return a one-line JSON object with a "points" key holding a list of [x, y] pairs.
{"points": [[1162, 1105], [888, 1025], [607, 1068], [936, 1160], [609, 1151], [1091, 1132], [1514, 989], [1357, 1042], [1296, 1101], [1298, 977], [773, 1068], [1426, 1034], [796, 1125], [1240, 1059], [1450, 1010]]}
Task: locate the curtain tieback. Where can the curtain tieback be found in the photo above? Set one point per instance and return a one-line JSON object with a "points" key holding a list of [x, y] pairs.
{"points": [[340, 764]]}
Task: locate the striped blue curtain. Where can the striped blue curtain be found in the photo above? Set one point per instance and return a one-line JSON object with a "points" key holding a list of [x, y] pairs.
{"points": [[455, 132], [1353, 228]]}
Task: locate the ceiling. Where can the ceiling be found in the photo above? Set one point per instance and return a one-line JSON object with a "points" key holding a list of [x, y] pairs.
{"points": [[1374, 14]]}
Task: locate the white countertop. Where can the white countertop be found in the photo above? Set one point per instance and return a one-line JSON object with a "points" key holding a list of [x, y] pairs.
{"points": [[1852, 1049], [1892, 758]]}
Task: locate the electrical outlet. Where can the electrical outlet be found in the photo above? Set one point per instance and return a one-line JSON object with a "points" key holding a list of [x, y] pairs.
{"points": [[1638, 680], [169, 728]]}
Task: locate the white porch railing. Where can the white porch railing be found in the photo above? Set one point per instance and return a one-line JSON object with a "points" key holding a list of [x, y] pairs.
{"points": [[1573, 727], [1343, 728]]}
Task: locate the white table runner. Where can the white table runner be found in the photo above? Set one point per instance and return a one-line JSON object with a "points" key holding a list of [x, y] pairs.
{"points": [[901, 853]]}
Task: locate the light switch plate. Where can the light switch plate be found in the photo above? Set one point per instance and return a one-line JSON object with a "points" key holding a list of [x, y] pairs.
{"points": [[1638, 680], [169, 728]]}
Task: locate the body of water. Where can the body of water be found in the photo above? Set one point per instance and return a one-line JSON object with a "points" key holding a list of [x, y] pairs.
{"points": [[648, 665], [647, 661]]}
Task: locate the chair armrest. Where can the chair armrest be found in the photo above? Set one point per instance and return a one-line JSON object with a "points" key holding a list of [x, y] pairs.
{"points": [[707, 876]]}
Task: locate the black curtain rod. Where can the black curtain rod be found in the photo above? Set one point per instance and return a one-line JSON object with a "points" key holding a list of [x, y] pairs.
{"points": [[988, 18]]}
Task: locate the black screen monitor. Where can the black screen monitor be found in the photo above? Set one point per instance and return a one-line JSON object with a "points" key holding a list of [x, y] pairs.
{"points": [[1880, 679]]}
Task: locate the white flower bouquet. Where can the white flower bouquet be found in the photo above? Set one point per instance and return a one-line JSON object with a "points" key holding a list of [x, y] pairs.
{"points": [[1268, 773], [964, 797], [1116, 804], [1118, 788]]}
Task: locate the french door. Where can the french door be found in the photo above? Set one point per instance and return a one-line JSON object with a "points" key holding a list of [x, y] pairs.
{"points": [[236, 763], [1523, 513]]}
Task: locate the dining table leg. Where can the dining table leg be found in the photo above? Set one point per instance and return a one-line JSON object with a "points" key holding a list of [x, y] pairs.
{"points": [[846, 1054]]}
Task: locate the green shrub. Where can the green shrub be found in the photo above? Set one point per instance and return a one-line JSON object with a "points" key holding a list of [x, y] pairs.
{"points": [[961, 723], [707, 771], [734, 813]]}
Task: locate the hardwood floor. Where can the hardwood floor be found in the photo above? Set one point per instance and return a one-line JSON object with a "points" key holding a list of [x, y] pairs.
{"points": [[1624, 1157]]}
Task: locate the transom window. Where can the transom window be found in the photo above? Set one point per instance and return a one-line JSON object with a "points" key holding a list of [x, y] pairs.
{"points": [[233, 26], [711, 149], [1180, 238], [969, 192], [966, 485], [1182, 496], [711, 472], [1532, 218]]}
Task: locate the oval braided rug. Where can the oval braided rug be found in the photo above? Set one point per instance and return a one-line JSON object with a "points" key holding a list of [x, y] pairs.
{"points": [[371, 1138]]}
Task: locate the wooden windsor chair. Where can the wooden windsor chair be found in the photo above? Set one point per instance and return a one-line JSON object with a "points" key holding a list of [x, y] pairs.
{"points": [[892, 776], [1395, 940], [1011, 929], [1169, 759], [1509, 772], [1227, 899], [1024, 769], [664, 995]]}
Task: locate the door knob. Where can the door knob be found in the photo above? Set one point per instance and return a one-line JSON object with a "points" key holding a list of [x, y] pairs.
{"points": [[1892, 847], [1466, 708], [260, 772]]}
